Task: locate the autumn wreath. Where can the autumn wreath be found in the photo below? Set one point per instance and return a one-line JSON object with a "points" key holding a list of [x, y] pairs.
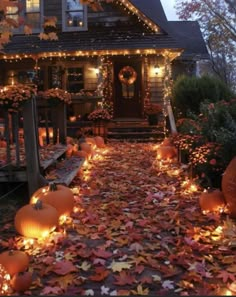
{"points": [[127, 75]]}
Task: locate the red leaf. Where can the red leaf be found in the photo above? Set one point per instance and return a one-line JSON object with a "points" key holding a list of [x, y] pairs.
{"points": [[102, 254], [100, 275], [225, 275], [64, 267], [124, 278]]}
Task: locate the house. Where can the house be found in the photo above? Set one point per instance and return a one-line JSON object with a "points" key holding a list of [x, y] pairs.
{"points": [[124, 52]]}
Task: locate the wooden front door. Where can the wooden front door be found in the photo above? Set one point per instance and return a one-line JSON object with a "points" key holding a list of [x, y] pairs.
{"points": [[127, 89]]}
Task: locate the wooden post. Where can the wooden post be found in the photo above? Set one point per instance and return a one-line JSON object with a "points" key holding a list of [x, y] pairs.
{"points": [[35, 179], [61, 123]]}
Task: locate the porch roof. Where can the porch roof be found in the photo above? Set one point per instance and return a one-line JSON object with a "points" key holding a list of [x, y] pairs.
{"points": [[102, 39]]}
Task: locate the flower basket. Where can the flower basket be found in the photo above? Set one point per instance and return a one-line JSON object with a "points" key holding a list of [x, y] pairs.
{"points": [[56, 96], [100, 118], [12, 97]]}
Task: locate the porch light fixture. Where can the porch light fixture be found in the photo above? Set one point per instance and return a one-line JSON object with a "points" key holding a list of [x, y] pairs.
{"points": [[156, 69]]}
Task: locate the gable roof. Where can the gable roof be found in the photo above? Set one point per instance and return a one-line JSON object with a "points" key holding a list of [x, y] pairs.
{"points": [[177, 36], [189, 36], [153, 9]]}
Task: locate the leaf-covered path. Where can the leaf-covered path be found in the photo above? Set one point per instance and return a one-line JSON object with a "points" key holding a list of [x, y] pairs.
{"points": [[135, 230]]}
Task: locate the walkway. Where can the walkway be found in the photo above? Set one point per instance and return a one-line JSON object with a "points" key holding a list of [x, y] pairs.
{"points": [[137, 229]]}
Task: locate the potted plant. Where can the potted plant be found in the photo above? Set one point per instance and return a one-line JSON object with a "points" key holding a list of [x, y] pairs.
{"points": [[152, 110], [100, 117]]}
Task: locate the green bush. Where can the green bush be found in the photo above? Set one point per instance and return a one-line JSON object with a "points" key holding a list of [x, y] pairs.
{"points": [[189, 92]]}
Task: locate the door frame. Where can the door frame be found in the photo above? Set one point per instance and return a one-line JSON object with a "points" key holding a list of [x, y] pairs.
{"points": [[124, 61]]}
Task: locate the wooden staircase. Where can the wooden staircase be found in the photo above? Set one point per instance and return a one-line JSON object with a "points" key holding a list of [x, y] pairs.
{"points": [[134, 130]]}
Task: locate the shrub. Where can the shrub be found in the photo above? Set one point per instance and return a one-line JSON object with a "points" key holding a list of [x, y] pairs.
{"points": [[190, 92]]}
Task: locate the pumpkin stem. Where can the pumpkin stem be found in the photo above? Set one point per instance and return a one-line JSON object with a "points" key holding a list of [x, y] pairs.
{"points": [[38, 205], [52, 187]]}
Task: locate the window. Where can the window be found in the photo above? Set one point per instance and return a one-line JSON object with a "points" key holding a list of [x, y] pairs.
{"points": [[33, 15], [31, 12], [75, 79], [74, 15]]}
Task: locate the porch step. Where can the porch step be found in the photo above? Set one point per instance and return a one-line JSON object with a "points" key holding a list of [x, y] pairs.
{"points": [[136, 133]]}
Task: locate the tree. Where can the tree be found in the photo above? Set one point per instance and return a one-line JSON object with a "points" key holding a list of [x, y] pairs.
{"points": [[217, 19]]}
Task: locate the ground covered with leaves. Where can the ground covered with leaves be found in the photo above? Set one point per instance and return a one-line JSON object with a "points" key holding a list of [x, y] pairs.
{"points": [[136, 229]]}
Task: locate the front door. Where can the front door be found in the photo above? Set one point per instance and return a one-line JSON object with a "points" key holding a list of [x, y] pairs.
{"points": [[127, 89]]}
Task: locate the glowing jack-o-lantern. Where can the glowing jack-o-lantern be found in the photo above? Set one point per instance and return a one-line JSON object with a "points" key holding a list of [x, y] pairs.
{"points": [[36, 220], [212, 201], [14, 261], [58, 196]]}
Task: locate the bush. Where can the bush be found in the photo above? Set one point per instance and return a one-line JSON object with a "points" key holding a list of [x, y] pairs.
{"points": [[189, 92]]}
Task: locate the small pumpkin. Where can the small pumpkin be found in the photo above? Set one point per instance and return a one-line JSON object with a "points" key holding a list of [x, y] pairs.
{"points": [[14, 261], [166, 152], [100, 141], [228, 182], [87, 148], [81, 154], [56, 195], [21, 281], [212, 201], [36, 220]]}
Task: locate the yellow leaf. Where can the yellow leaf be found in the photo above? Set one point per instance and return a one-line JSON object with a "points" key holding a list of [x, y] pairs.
{"points": [[85, 266], [140, 291], [119, 266]]}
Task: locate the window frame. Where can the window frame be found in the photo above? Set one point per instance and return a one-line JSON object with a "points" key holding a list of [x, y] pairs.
{"points": [[23, 14], [66, 28]]}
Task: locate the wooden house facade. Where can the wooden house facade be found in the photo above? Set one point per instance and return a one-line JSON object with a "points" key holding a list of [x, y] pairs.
{"points": [[124, 52]]}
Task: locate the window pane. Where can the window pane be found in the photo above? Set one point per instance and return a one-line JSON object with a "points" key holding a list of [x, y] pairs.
{"points": [[74, 19], [32, 5], [73, 5], [33, 19]]}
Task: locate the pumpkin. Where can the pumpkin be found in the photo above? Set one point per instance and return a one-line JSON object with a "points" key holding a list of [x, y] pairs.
{"points": [[166, 152], [56, 195], [86, 147], [228, 182], [14, 261], [100, 142], [36, 220], [91, 141], [166, 142], [212, 201], [81, 154], [21, 281]]}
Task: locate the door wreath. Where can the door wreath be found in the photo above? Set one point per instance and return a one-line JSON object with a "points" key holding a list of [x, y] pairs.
{"points": [[127, 75]]}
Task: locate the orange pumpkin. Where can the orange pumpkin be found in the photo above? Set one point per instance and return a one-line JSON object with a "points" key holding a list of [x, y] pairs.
{"points": [[36, 220], [100, 142], [212, 201], [21, 281], [58, 196], [228, 182], [166, 142], [81, 154], [166, 152], [86, 147], [14, 261]]}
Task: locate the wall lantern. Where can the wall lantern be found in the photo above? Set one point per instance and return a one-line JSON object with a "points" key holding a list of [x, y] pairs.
{"points": [[156, 69]]}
